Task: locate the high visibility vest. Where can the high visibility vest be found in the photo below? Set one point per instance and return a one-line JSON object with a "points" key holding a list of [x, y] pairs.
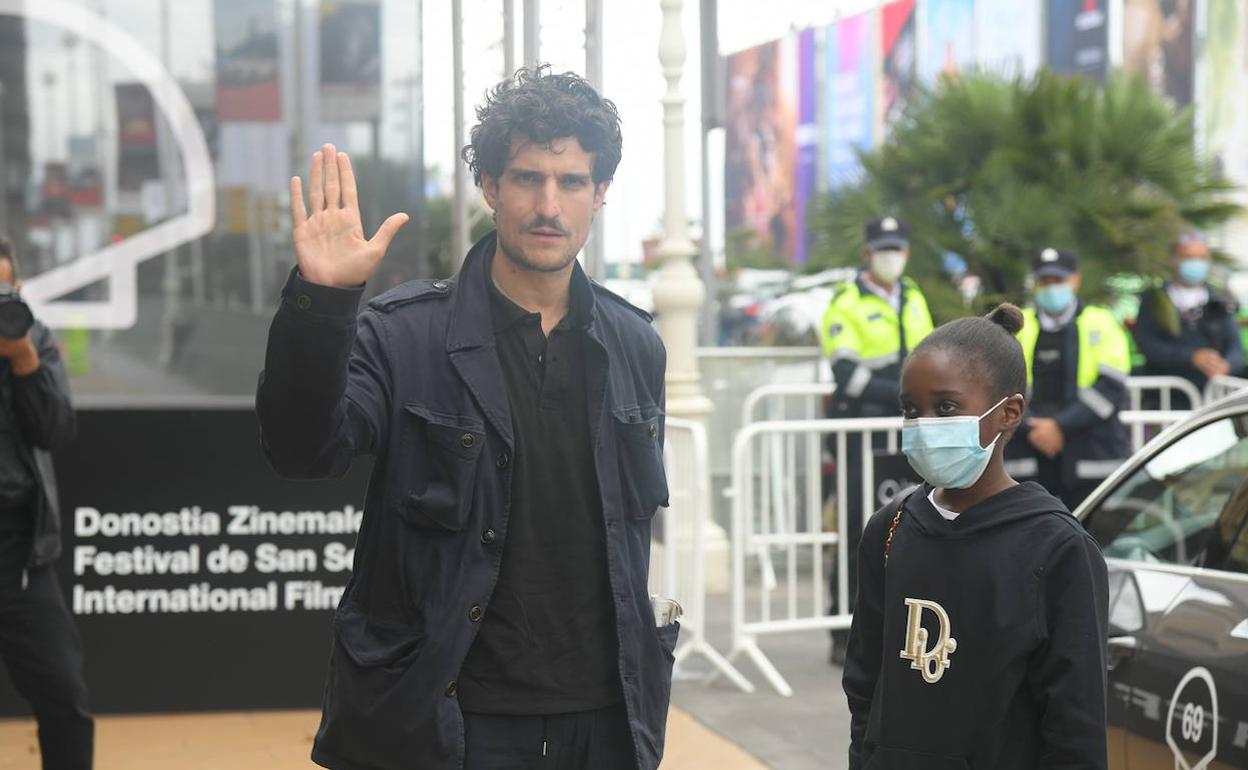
{"points": [[1102, 349], [862, 326]]}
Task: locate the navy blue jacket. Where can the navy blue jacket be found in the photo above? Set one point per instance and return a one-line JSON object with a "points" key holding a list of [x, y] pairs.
{"points": [[1168, 341], [415, 381]]}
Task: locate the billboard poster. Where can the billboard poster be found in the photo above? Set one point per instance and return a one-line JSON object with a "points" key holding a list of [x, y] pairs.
{"points": [[807, 139], [1078, 37], [350, 60], [898, 53], [1157, 46], [247, 60], [849, 80], [1008, 36], [1221, 109], [948, 37], [760, 154]]}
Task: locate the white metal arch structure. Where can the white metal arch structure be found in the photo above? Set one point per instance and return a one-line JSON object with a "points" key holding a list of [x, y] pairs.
{"points": [[118, 262]]}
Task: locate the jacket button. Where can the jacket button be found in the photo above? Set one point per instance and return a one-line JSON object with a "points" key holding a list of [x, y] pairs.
{"points": [[488, 536], [440, 285], [475, 613], [467, 440], [303, 301], [654, 431], [502, 460], [451, 689]]}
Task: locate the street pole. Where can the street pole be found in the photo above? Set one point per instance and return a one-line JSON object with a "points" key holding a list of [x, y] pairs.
{"points": [[678, 293], [711, 118], [171, 283], [4, 172], [595, 262], [459, 206], [532, 32], [417, 126], [509, 38]]}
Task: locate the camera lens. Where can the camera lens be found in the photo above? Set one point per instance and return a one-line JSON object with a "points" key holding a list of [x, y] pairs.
{"points": [[15, 317]]}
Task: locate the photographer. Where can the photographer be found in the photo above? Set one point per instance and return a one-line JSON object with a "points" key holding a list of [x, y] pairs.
{"points": [[38, 640]]}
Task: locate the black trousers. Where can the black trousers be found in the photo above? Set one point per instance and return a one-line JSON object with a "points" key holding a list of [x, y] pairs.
{"points": [[40, 645], [586, 740], [851, 466]]}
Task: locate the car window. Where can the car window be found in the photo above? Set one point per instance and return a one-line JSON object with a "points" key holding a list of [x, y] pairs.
{"points": [[1187, 505]]}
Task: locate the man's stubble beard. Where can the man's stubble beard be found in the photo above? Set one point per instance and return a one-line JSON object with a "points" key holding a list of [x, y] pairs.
{"points": [[517, 257]]}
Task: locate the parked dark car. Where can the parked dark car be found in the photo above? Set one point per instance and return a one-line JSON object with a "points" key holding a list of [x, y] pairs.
{"points": [[1172, 524]]}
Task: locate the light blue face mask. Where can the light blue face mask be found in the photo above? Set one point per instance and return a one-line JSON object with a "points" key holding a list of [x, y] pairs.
{"points": [[945, 451], [1055, 298], [1193, 272]]}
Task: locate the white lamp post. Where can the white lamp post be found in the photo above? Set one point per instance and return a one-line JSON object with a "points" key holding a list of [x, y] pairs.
{"points": [[678, 292]]}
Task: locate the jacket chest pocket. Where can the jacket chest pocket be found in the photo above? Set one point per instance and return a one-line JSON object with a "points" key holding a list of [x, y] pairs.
{"points": [[436, 466], [643, 480]]}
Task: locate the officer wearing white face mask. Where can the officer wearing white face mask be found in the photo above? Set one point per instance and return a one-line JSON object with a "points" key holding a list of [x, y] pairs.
{"points": [[1185, 328], [1077, 366], [870, 325]]}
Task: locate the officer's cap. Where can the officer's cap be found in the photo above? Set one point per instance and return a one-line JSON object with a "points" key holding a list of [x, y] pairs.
{"points": [[887, 233], [1051, 261]]}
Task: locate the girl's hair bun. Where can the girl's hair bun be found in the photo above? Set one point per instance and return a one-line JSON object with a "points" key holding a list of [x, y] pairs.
{"points": [[1007, 316]]}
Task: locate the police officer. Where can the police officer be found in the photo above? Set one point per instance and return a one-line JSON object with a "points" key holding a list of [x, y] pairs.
{"points": [[1077, 364], [1185, 328], [870, 325]]}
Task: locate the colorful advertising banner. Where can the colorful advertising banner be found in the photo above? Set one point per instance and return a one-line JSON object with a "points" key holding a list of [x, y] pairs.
{"points": [[760, 154], [247, 60], [350, 44], [898, 44], [948, 37], [1157, 46], [1221, 107], [1078, 37], [1008, 36], [807, 140], [849, 83]]}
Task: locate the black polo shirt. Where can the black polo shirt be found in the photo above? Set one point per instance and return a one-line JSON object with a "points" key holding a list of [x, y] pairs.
{"points": [[547, 643]]}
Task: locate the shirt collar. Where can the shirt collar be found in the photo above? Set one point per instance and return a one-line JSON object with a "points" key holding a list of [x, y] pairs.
{"points": [[1187, 298], [891, 297], [506, 313], [1050, 323]]}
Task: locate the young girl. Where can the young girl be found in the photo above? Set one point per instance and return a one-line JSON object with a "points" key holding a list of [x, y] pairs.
{"points": [[979, 633]]}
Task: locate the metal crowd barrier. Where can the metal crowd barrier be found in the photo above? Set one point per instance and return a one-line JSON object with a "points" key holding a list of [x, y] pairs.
{"points": [[1221, 386], [681, 572], [775, 399], [779, 542]]}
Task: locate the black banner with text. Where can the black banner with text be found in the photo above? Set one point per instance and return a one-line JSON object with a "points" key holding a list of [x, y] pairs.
{"points": [[199, 579]]}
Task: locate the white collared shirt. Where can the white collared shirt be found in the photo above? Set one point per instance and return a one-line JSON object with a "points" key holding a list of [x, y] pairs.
{"points": [[1188, 298], [945, 513], [893, 298]]}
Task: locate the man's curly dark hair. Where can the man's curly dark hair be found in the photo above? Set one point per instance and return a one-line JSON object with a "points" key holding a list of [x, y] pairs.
{"points": [[542, 107]]}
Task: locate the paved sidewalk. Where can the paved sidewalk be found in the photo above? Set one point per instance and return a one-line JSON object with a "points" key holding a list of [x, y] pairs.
{"points": [[809, 731], [281, 740]]}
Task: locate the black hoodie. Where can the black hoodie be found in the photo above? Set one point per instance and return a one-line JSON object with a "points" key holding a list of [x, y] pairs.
{"points": [[1024, 595]]}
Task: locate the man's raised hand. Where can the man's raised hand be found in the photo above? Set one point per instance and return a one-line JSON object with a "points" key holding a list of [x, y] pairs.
{"points": [[329, 242]]}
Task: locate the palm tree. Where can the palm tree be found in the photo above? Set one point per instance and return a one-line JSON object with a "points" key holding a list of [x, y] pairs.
{"points": [[993, 168]]}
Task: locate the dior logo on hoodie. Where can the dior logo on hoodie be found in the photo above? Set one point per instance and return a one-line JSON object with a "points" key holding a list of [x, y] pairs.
{"points": [[931, 663]]}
